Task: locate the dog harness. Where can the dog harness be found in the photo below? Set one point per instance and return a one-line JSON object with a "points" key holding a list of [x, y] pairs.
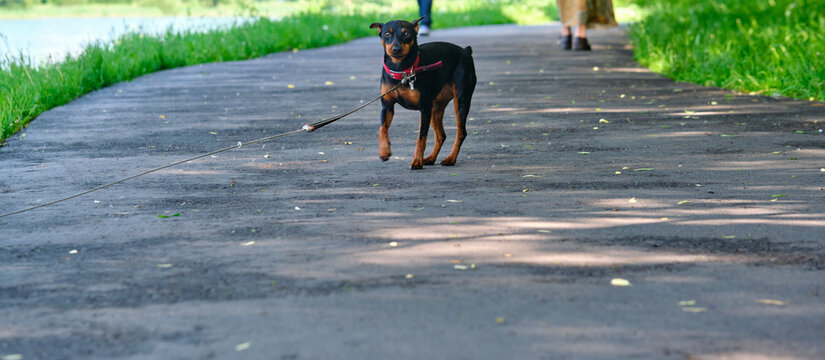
{"points": [[408, 75]]}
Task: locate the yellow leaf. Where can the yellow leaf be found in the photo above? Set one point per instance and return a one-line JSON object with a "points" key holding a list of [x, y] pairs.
{"points": [[632, 200], [393, 244], [460, 267], [603, 121], [500, 320], [242, 347], [249, 243], [687, 303], [164, 266], [620, 282], [683, 202], [329, 83], [291, 86], [694, 309], [409, 276], [163, 116]]}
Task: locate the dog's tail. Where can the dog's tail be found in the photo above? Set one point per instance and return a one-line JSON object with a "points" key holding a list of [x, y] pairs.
{"points": [[469, 50]]}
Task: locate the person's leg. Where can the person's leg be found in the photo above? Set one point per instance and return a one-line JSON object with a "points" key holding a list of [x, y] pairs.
{"points": [[581, 31], [424, 10], [580, 42]]}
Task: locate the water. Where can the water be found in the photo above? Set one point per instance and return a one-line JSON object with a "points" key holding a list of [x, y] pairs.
{"points": [[45, 39]]}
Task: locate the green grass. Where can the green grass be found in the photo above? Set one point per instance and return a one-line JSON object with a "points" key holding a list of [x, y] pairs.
{"points": [[29, 90], [772, 47]]}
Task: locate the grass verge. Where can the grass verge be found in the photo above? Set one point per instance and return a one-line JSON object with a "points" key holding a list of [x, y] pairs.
{"points": [[771, 47]]}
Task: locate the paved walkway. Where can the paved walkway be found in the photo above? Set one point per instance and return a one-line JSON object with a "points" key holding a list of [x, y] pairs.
{"points": [[580, 168]]}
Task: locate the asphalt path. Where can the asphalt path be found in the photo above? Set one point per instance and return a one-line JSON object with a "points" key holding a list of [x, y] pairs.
{"points": [[596, 211]]}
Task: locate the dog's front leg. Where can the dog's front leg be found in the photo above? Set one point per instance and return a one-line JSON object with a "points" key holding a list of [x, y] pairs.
{"points": [[387, 112], [423, 128]]}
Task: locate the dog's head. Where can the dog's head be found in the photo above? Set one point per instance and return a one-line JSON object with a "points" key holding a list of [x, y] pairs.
{"points": [[398, 37]]}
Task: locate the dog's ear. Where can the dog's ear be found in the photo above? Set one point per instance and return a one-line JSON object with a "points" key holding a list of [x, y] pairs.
{"points": [[418, 21], [377, 25]]}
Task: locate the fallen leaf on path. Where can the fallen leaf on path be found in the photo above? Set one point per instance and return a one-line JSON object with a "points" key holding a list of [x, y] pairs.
{"points": [[687, 303], [250, 243], [729, 236], [12, 357], [291, 86], [532, 176], [604, 121], [73, 251], [409, 276], [779, 195], [544, 231], [499, 320], [329, 83], [167, 216], [683, 202], [694, 309], [242, 347], [632, 200], [164, 266], [620, 282], [770, 302], [393, 244], [454, 201], [460, 267], [643, 169]]}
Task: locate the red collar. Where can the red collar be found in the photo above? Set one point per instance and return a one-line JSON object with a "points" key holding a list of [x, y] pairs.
{"points": [[399, 75]]}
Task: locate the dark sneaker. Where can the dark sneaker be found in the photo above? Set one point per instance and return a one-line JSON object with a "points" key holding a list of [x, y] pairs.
{"points": [[581, 44], [566, 42]]}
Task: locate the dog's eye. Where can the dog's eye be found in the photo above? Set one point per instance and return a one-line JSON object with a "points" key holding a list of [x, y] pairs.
{"points": [[387, 34]]}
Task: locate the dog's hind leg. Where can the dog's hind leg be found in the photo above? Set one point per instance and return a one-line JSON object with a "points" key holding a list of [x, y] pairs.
{"points": [[437, 123], [463, 95], [423, 129]]}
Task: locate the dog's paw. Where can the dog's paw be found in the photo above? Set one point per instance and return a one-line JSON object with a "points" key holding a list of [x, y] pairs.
{"points": [[384, 155], [417, 164], [429, 160], [448, 162]]}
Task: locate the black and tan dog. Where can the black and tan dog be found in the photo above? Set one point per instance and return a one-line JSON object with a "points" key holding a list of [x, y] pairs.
{"points": [[440, 71]]}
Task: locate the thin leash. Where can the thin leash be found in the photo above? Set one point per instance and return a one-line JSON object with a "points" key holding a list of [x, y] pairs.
{"points": [[306, 128]]}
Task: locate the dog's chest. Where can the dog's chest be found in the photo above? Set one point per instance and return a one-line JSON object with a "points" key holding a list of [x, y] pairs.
{"points": [[404, 96]]}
